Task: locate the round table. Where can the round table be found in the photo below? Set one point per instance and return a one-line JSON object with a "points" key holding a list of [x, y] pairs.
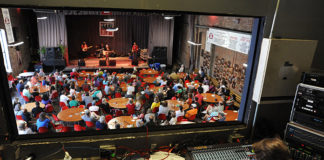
{"points": [[71, 115], [155, 89], [30, 106], [231, 115], [86, 74], [41, 89], [211, 98], [120, 76], [119, 103], [124, 121], [78, 97], [81, 82], [149, 71], [25, 74], [172, 104], [182, 75], [123, 86], [149, 79], [196, 84]]}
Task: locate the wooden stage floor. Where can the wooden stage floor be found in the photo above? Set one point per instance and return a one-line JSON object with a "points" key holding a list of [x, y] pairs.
{"points": [[92, 63]]}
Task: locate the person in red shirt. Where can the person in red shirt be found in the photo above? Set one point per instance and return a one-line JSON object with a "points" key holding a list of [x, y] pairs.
{"points": [[134, 48], [74, 74], [130, 107], [200, 98]]}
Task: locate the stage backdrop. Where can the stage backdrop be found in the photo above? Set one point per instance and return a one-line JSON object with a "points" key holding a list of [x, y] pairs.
{"points": [[86, 28]]}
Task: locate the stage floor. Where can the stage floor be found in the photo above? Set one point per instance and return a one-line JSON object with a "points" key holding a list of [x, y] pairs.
{"points": [[92, 63]]}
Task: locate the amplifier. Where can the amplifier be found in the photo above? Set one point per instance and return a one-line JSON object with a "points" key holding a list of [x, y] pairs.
{"points": [[221, 152], [112, 62], [304, 143], [81, 62], [308, 106], [102, 63], [313, 79]]}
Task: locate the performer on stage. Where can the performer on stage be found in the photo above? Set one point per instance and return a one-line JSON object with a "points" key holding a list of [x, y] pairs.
{"points": [[134, 51], [84, 48]]}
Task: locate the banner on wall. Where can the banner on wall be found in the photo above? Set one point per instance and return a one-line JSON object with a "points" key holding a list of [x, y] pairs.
{"points": [[7, 22], [103, 26], [236, 41], [207, 45]]}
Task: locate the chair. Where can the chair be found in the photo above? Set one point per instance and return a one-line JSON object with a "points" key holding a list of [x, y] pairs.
{"points": [[192, 118], [90, 124], [65, 129], [180, 118], [88, 105], [55, 117], [81, 106], [38, 98], [19, 117], [62, 104], [98, 102], [64, 108], [108, 118], [155, 110], [118, 95], [42, 130], [78, 128], [118, 113], [26, 98], [162, 116]]}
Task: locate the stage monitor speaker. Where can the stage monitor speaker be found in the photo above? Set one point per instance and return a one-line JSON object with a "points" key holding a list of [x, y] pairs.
{"points": [[135, 63], [112, 62], [53, 53], [102, 63], [159, 52], [81, 62]]}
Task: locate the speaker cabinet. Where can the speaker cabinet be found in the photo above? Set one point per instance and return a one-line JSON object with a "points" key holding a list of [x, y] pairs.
{"points": [[81, 62], [112, 62], [102, 63]]}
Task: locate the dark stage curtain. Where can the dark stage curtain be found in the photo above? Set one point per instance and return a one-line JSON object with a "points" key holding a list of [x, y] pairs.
{"points": [[86, 28]]}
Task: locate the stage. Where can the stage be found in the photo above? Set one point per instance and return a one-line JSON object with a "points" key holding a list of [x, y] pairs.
{"points": [[92, 64]]}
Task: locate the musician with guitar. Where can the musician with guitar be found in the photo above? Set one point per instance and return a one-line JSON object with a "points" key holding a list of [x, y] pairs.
{"points": [[85, 48]]}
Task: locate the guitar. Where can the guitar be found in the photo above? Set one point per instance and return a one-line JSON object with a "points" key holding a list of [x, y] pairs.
{"points": [[86, 48]]}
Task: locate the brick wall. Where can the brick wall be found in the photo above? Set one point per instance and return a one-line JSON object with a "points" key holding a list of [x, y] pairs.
{"points": [[24, 24]]}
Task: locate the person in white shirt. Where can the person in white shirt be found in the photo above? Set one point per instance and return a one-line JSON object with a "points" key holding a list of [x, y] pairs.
{"points": [[173, 120], [179, 112], [164, 109], [72, 91], [23, 129], [130, 91], [181, 68], [64, 98], [41, 73], [220, 107], [205, 87]]}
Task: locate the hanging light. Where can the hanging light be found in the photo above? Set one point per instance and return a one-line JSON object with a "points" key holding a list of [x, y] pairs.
{"points": [[193, 43], [16, 44], [41, 18], [109, 20], [112, 29]]}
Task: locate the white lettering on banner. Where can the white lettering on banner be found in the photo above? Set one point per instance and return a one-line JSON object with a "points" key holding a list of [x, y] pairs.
{"points": [[207, 45], [7, 22], [235, 41]]}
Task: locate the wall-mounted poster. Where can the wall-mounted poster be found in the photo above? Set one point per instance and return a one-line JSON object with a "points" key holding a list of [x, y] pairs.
{"points": [[103, 26]]}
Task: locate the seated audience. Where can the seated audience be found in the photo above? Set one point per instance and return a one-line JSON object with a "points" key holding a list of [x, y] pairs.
{"points": [[37, 110]]}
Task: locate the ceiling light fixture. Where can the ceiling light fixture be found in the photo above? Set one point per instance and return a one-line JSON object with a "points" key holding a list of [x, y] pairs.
{"points": [[41, 18], [112, 29], [168, 17], [16, 44], [245, 65], [109, 20], [193, 43]]}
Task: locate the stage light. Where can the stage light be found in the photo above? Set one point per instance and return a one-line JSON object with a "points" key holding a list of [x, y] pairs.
{"points": [[41, 18], [112, 29], [16, 44], [245, 65], [109, 20], [168, 17], [193, 43]]}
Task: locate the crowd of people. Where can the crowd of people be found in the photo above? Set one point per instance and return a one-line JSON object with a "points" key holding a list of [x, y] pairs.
{"points": [[92, 92]]}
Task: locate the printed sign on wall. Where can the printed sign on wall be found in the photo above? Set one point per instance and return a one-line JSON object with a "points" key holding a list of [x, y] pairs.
{"points": [[236, 41], [7, 22], [103, 26]]}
